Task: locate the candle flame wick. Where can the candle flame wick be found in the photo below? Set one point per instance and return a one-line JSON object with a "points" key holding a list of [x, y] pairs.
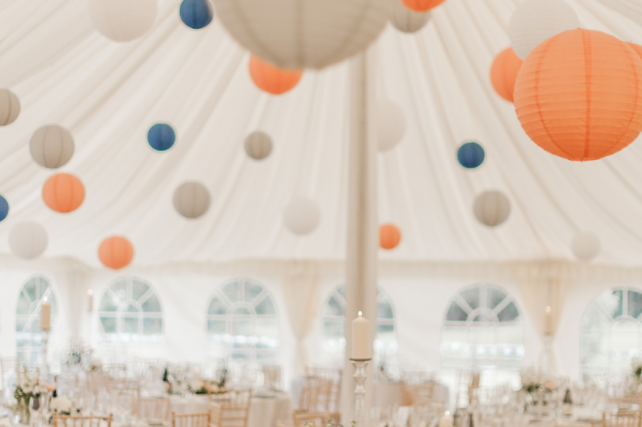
{"points": [[45, 299], [360, 314]]}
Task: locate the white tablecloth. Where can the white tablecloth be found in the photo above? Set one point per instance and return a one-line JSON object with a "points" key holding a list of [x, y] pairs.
{"points": [[266, 411], [192, 405], [388, 394]]}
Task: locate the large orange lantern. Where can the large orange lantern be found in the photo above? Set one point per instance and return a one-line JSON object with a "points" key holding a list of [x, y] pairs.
{"points": [[503, 73], [272, 79], [637, 48], [389, 236], [421, 5], [63, 193], [116, 252], [578, 95]]}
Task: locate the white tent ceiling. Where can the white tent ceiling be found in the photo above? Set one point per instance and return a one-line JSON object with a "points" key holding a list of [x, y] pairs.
{"points": [[108, 95]]}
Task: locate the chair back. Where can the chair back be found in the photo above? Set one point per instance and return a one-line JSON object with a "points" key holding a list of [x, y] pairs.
{"points": [[622, 419], [151, 409], [234, 407], [202, 419], [317, 419], [272, 376], [81, 421], [326, 389]]}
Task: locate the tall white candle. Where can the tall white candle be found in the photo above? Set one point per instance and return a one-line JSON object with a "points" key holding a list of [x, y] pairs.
{"points": [[45, 315], [360, 338], [90, 301], [549, 328]]}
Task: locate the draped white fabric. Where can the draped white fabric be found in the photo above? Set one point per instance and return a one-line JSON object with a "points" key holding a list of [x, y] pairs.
{"points": [[108, 95]]}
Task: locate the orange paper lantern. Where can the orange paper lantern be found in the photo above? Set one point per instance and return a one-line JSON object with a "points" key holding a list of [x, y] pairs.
{"points": [[271, 79], [421, 5], [503, 73], [116, 252], [578, 95], [63, 193], [637, 48], [389, 236]]}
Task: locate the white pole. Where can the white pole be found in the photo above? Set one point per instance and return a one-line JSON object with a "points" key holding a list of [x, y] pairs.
{"points": [[363, 241]]}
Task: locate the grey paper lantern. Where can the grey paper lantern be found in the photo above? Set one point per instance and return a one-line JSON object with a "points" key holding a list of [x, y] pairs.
{"points": [[586, 246], [52, 146], [28, 240], [492, 208], [297, 34], [406, 20], [123, 20], [191, 199], [258, 145], [302, 216], [9, 107]]}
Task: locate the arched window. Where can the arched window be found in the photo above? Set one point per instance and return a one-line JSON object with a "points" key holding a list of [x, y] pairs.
{"points": [[28, 336], [242, 322], [611, 334], [482, 329], [333, 324], [130, 311]]}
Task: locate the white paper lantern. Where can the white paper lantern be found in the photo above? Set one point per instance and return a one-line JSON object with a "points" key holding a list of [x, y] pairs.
{"points": [[534, 21], [258, 145], [492, 208], [52, 146], [391, 124], [191, 199], [123, 20], [406, 20], [28, 240], [586, 246], [302, 216], [9, 107], [297, 34]]}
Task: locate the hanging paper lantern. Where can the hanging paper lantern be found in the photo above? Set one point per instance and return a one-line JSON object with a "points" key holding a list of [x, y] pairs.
{"points": [[28, 240], [52, 146], [4, 208], [503, 73], [258, 145], [471, 155], [421, 5], [271, 79], [191, 199], [391, 124], [389, 236], [491, 208], [161, 137], [63, 193], [196, 14], [579, 95], [116, 252], [537, 20], [302, 216], [406, 20], [9, 107], [123, 20], [586, 246], [292, 37]]}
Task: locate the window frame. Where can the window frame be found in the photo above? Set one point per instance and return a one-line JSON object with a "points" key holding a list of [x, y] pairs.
{"points": [[34, 352]]}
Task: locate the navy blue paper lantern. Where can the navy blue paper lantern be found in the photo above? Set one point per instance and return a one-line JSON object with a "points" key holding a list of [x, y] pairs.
{"points": [[4, 208], [471, 155], [196, 14], [161, 137]]}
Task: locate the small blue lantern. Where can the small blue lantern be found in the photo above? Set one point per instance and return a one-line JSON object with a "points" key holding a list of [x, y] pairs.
{"points": [[196, 14], [161, 137], [4, 208], [471, 155]]}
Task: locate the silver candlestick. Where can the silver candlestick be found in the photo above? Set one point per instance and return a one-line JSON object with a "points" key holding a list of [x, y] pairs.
{"points": [[360, 376], [44, 381]]}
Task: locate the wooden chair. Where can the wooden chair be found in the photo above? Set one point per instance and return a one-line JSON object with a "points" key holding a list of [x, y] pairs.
{"points": [[234, 408], [318, 419], [308, 395], [191, 420], [622, 419], [151, 409], [328, 389], [81, 421]]}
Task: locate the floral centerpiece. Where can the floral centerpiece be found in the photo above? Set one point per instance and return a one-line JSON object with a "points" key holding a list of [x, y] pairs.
{"points": [[26, 385], [539, 388], [636, 366]]}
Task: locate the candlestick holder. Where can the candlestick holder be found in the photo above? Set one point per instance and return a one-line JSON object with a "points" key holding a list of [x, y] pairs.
{"points": [[360, 376], [44, 380]]}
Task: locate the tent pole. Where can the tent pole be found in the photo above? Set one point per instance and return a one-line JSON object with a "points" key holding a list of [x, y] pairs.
{"points": [[361, 260]]}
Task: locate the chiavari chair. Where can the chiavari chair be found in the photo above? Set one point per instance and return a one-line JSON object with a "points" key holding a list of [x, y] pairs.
{"points": [[317, 419], [81, 421], [202, 419], [151, 409], [621, 419], [234, 407]]}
